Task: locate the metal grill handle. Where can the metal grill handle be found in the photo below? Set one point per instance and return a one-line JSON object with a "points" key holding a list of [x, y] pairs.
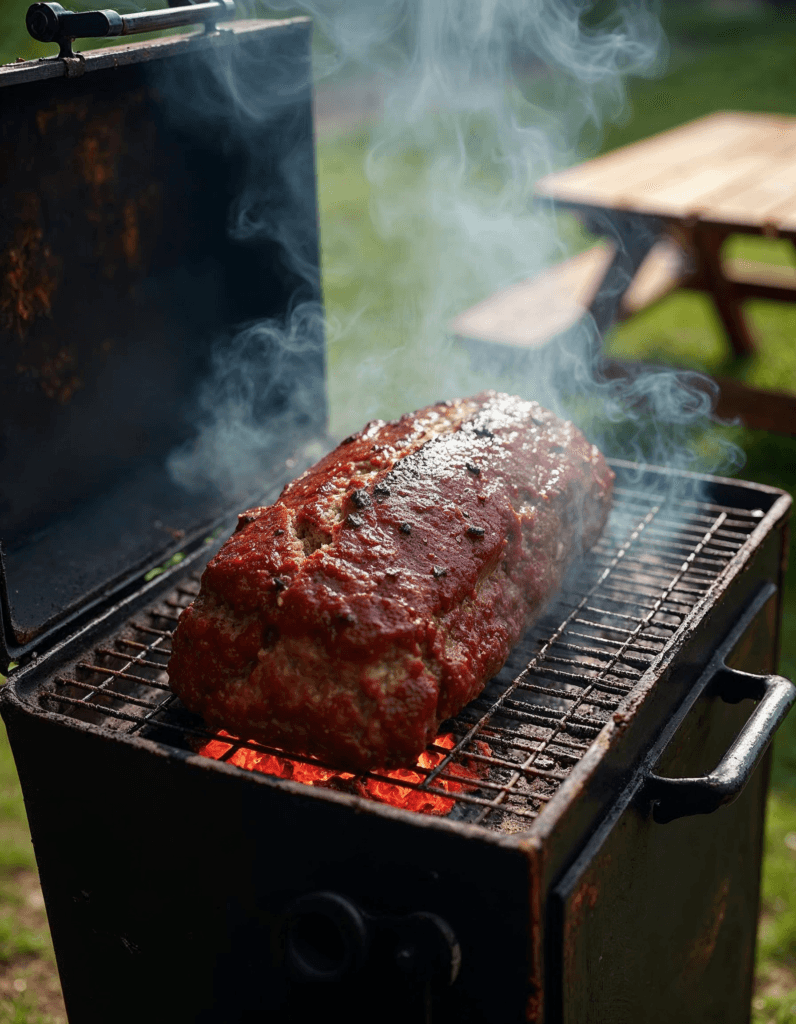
{"points": [[52, 23], [676, 798]]}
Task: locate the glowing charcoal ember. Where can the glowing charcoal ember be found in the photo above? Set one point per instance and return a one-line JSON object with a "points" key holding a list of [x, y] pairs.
{"points": [[393, 792]]}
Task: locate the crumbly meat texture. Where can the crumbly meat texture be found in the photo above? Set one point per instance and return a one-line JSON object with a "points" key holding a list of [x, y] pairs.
{"points": [[389, 582]]}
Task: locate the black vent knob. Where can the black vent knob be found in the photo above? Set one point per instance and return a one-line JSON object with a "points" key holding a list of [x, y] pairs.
{"points": [[43, 21], [427, 949], [327, 937], [51, 23]]}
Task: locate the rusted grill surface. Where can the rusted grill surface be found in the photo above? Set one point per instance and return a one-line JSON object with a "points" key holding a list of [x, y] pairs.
{"points": [[519, 740]]}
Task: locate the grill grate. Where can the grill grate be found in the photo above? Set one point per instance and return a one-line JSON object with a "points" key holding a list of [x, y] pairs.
{"points": [[504, 755]]}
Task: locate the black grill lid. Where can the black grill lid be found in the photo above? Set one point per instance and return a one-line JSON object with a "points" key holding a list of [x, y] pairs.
{"points": [[119, 275]]}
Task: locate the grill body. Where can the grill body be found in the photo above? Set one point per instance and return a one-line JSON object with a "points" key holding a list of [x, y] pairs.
{"points": [[170, 875], [654, 919]]}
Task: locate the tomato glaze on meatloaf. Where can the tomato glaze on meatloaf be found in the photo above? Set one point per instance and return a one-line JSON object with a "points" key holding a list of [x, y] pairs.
{"points": [[389, 582]]}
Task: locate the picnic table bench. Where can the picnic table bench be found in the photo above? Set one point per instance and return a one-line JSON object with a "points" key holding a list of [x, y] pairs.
{"points": [[665, 206]]}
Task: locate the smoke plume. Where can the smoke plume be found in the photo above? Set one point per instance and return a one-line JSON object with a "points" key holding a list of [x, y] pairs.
{"points": [[481, 98]]}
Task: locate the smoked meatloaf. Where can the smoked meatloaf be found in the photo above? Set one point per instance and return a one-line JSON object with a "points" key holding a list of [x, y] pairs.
{"points": [[389, 582]]}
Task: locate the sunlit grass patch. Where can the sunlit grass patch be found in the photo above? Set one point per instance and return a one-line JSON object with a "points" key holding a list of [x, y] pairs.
{"points": [[778, 931], [18, 941], [21, 1009], [780, 1009]]}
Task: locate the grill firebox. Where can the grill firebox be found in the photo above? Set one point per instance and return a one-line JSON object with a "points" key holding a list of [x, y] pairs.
{"points": [[656, 560]]}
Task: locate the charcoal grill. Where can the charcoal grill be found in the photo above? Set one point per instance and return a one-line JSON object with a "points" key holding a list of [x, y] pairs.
{"points": [[536, 719], [598, 849]]}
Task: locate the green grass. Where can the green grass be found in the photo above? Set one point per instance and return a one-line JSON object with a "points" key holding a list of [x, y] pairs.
{"points": [[16, 851], [778, 935], [17, 942], [21, 1010]]}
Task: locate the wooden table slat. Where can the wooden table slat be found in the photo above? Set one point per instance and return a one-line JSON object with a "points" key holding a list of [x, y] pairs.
{"points": [[602, 169], [686, 186], [660, 157], [693, 196], [528, 314], [691, 171], [742, 170], [767, 197]]}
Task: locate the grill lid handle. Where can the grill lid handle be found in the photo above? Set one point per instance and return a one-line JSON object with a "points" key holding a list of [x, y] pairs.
{"points": [[676, 798], [52, 23]]}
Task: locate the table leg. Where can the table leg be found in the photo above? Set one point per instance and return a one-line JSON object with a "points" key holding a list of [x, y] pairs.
{"points": [[633, 237], [707, 243]]}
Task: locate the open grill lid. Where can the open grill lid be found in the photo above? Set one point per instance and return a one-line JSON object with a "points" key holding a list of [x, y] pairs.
{"points": [[119, 276]]}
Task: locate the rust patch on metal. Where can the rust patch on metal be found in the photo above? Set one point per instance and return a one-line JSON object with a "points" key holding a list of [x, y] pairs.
{"points": [[704, 947], [30, 278], [113, 208], [535, 1000], [131, 234], [533, 1007], [56, 375], [43, 118], [581, 902], [61, 112], [29, 270], [99, 150], [585, 897]]}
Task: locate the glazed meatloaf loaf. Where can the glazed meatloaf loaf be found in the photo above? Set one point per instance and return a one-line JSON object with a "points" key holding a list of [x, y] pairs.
{"points": [[389, 582]]}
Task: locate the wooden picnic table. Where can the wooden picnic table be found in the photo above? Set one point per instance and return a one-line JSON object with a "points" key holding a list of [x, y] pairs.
{"points": [[724, 174], [665, 207]]}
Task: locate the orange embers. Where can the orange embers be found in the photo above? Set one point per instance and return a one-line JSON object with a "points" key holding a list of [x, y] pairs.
{"points": [[373, 789]]}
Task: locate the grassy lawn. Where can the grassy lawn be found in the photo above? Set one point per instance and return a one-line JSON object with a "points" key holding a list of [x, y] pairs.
{"points": [[376, 284]]}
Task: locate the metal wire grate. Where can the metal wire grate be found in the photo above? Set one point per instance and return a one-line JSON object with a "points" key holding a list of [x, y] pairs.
{"points": [[504, 755]]}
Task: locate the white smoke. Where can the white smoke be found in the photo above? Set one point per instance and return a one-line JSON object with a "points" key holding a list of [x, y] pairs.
{"points": [[254, 380], [482, 97], [484, 100]]}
